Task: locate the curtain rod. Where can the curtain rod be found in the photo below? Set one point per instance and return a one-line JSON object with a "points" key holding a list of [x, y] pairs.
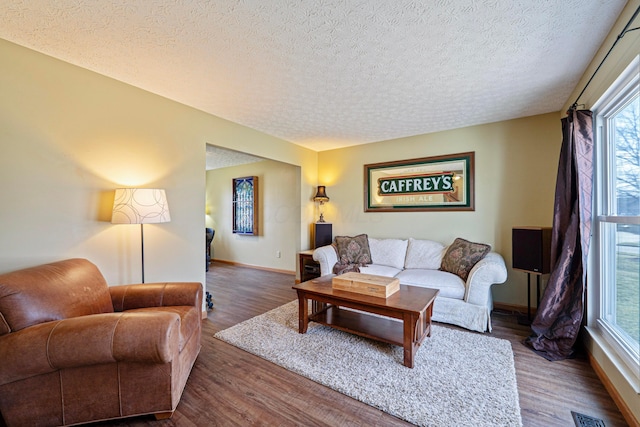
{"points": [[624, 31]]}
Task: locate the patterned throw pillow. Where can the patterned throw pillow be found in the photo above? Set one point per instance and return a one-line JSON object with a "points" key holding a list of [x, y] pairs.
{"points": [[462, 255], [353, 250]]}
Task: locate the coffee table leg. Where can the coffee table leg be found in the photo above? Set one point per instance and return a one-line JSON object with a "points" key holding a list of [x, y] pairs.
{"points": [[409, 327], [303, 313]]}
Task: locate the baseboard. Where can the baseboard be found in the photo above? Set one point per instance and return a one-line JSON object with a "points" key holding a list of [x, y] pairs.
{"points": [[513, 308], [617, 399], [257, 267]]}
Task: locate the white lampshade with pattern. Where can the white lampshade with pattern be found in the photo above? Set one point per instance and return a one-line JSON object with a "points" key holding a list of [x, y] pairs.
{"points": [[140, 206]]}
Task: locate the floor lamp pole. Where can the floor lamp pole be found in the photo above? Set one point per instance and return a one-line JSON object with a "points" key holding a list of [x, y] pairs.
{"points": [[142, 248]]}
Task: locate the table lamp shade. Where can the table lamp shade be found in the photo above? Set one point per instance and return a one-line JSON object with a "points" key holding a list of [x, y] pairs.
{"points": [[140, 206], [321, 195]]}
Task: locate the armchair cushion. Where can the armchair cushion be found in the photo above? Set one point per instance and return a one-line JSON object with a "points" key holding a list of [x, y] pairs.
{"points": [[42, 294], [177, 297]]}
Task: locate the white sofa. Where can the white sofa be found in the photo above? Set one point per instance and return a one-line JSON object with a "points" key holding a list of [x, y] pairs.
{"points": [[417, 262]]}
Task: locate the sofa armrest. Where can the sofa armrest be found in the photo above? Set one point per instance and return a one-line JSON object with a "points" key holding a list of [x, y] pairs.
{"points": [[489, 271], [327, 257], [128, 297], [89, 340]]}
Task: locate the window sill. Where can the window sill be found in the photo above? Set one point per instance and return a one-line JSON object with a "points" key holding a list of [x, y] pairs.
{"points": [[631, 377]]}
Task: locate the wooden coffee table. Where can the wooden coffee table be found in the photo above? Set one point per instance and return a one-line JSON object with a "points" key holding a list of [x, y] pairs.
{"points": [[413, 305]]}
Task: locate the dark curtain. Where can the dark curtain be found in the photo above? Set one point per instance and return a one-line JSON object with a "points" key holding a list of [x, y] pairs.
{"points": [[559, 316]]}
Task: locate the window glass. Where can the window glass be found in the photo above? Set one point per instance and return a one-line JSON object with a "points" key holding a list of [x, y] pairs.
{"points": [[627, 278], [617, 219], [627, 158]]}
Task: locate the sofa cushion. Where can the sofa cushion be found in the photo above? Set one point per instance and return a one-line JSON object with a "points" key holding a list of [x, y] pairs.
{"points": [[450, 285], [462, 255], [380, 270], [424, 254], [390, 252]]}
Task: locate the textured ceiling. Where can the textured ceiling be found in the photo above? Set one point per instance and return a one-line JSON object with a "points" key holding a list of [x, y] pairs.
{"points": [[330, 73], [221, 158]]}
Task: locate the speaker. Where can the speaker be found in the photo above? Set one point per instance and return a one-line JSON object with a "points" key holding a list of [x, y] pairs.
{"points": [[321, 234], [532, 249]]}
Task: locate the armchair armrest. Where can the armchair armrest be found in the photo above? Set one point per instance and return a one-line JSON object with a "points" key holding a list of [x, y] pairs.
{"points": [[128, 297], [146, 337], [488, 271], [327, 257]]}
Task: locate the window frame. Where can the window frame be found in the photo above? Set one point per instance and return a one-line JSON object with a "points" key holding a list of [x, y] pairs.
{"points": [[603, 292]]}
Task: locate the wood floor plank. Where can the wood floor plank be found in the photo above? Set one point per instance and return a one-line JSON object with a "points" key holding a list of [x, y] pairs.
{"points": [[230, 387]]}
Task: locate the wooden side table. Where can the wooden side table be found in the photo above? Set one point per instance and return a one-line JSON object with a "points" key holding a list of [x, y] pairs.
{"points": [[309, 269]]}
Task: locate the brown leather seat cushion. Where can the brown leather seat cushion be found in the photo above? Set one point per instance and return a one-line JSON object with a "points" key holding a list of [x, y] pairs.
{"points": [[49, 292]]}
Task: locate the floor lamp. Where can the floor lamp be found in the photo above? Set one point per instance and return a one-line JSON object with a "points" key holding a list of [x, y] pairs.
{"points": [[140, 206]]}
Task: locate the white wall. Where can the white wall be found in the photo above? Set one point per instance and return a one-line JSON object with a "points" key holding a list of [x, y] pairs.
{"points": [[279, 219]]}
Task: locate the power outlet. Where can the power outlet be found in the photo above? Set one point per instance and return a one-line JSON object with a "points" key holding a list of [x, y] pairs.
{"points": [[278, 254]]}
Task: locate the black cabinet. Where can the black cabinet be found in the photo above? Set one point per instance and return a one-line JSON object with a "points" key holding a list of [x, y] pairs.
{"points": [[321, 234]]}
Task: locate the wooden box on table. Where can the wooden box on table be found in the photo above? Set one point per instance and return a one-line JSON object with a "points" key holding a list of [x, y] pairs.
{"points": [[367, 284]]}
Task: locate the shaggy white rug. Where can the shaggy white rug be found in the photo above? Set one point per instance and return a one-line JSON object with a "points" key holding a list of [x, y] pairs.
{"points": [[459, 378]]}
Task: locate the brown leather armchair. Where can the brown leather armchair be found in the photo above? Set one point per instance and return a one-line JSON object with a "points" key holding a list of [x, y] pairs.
{"points": [[74, 350]]}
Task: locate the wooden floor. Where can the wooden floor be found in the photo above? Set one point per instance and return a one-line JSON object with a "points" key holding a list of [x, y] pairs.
{"points": [[229, 387]]}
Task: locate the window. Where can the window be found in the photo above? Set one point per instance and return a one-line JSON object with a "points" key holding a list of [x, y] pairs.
{"points": [[245, 205], [617, 219]]}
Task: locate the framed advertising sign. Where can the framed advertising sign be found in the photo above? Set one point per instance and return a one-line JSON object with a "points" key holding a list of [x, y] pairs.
{"points": [[441, 183]]}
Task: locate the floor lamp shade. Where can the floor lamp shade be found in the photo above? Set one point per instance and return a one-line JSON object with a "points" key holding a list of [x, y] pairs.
{"points": [[140, 206]]}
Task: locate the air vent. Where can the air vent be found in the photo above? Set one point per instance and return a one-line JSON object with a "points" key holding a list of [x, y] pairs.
{"points": [[582, 420]]}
